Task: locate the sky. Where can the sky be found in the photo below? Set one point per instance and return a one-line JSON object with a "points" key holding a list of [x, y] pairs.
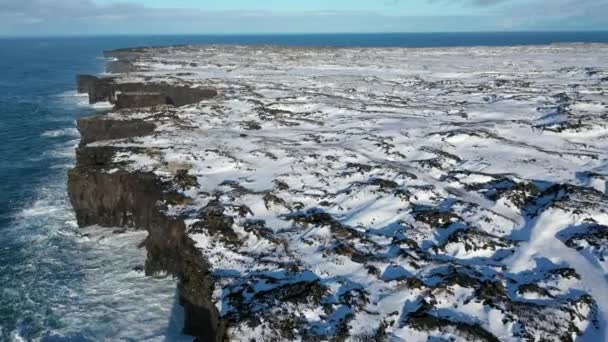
{"points": [[92, 17]]}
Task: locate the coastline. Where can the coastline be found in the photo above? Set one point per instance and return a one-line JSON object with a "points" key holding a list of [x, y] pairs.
{"points": [[133, 200], [112, 186], [60, 281]]}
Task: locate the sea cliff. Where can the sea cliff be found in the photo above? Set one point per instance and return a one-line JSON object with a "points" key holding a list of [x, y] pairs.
{"points": [[104, 195]]}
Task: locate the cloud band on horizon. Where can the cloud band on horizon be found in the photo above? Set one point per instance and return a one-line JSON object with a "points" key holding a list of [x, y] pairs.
{"points": [[36, 17]]}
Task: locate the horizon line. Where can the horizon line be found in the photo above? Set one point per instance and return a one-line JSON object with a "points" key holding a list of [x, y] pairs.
{"points": [[233, 34]]}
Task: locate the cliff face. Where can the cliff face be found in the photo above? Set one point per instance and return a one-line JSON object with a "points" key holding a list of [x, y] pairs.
{"points": [[100, 127], [102, 193], [372, 194], [110, 89], [135, 199]]}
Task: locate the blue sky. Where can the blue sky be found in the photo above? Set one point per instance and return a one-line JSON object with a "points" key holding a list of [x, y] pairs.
{"points": [[81, 17]]}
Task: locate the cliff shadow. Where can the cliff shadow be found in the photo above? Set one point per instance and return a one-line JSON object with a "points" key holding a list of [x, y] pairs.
{"points": [[177, 320]]}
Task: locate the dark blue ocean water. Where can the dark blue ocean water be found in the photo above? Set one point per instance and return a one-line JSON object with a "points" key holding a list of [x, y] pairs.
{"points": [[60, 283]]}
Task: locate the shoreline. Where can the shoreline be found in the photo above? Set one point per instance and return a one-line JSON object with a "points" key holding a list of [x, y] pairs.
{"points": [[214, 164], [130, 200]]}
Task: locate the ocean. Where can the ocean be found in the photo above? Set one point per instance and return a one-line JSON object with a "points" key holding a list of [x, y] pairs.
{"points": [[62, 283]]}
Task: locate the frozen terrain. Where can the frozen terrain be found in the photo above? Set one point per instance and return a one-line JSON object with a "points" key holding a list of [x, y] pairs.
{"points": [[388, 194]]}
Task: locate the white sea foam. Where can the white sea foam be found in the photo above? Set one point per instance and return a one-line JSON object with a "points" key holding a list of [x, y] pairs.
{"points": [[112, 299], [41, 207], [15, 337], [72, 97], [142, 308], [64, 132], [82, 100], [80, 284], [102, 105]]}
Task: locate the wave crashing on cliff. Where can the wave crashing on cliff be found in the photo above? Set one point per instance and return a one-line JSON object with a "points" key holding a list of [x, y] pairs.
{"points": [[60, 282]]}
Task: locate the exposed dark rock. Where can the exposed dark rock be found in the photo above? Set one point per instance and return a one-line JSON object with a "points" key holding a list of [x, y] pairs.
{"points": [[535, 320], [250, 125], [281, 186], [568, 197], [348, 250], [107, 89], [136, 100], [359, 167], [319, 218], [566, 273], [177, 95], [443, 154], [460, 276], [259, 229], [595, 236], [251, 305], [214, 222], [272, 200], [183, 180], [125, 54], [99, 88], [96, 128], [120, 67], [202, 319], [492, 292], [85, 83], [473, 239], [533, 288], [435, 218], [135, 199], [120, 199], [522, 194], [98, 156], [422, 320], [384, 183], [542, 323]]}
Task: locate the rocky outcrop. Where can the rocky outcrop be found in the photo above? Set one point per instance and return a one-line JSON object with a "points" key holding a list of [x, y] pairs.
{"points": [[126, 54], [121, 60], [103, 197], [135, 100], [176, 95], [120, 67], [85, 83], [100, 127], [108, 89], [98, 88]]}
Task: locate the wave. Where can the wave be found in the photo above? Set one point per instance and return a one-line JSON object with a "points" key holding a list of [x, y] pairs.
{"points": [[82, 100], [62, 282], [39, 208], [77, 278], [64, 132], [101, 105], [15, 337]]}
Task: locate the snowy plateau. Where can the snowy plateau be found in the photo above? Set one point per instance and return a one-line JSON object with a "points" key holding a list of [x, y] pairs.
{"points": [[365, 194]]}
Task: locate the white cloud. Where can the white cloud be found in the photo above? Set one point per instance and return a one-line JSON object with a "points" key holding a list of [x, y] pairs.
{"points": [[56, 17]]}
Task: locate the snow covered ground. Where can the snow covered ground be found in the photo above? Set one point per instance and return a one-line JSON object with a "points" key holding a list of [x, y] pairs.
{"points": [[397, 194]]}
